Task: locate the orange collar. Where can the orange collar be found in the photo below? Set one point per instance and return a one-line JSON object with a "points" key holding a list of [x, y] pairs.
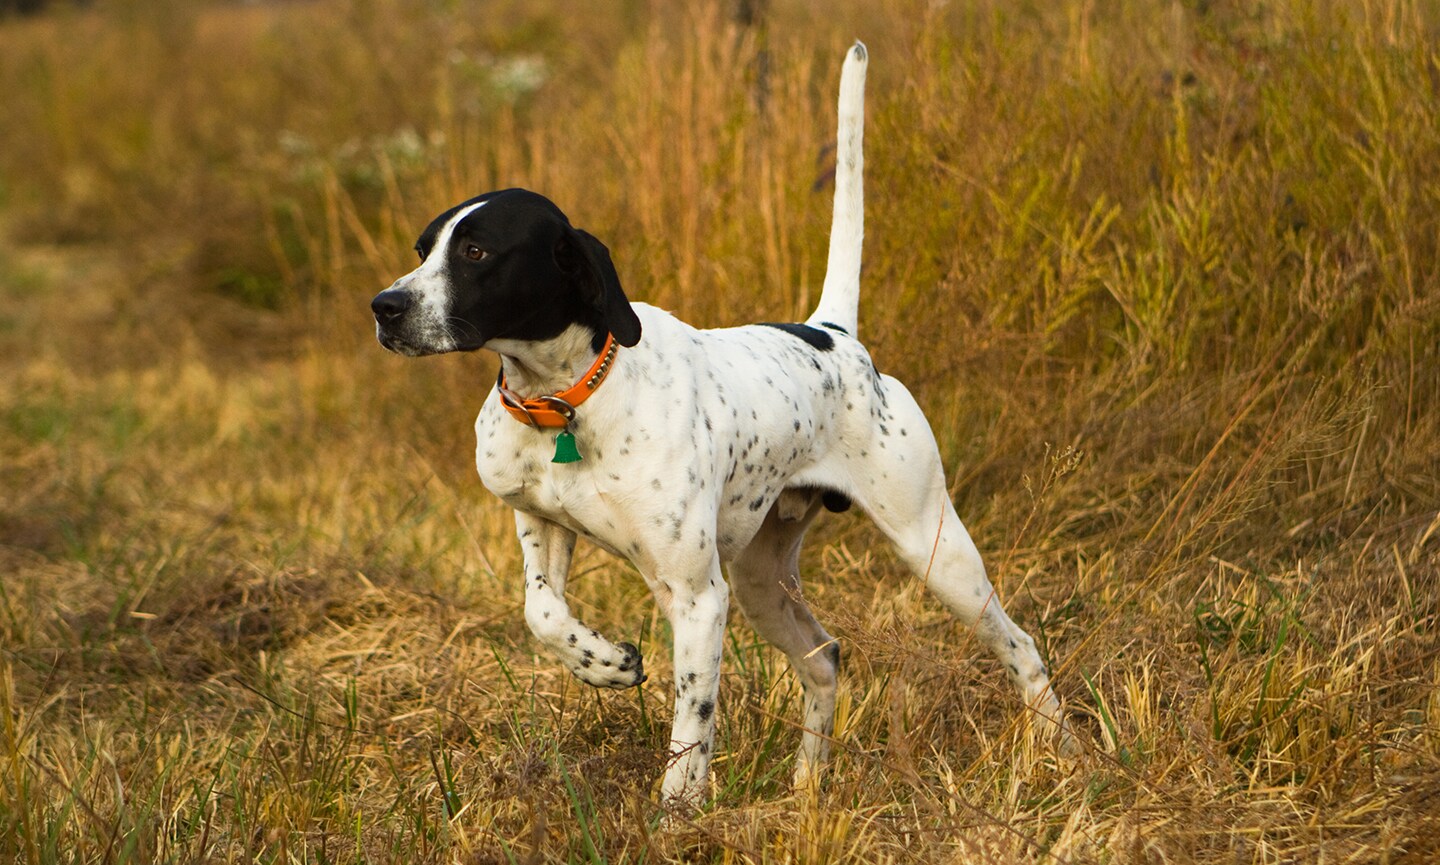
{"points": [[558, 409]]}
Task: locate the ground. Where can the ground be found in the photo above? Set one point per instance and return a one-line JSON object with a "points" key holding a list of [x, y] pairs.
{"points": [[1164, 278]]}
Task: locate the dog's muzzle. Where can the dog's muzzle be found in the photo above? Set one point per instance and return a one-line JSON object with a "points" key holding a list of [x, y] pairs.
{"points": [[390, 305]]}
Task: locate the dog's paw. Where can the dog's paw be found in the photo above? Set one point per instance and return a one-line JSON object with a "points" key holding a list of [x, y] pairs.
{"points": [[632, 664], [609, 671], [1067, 745]]}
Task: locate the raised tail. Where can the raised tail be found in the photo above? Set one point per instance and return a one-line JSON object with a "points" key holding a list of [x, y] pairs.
{"points": [[840, 297]]}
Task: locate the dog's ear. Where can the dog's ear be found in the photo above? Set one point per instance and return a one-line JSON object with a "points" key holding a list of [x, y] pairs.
{"points": [[581, 254]]}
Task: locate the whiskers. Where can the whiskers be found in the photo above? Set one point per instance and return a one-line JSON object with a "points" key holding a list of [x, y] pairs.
{"points": [[455, 330]]}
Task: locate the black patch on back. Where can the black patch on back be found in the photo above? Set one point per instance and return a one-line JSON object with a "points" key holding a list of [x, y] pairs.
{"points": [[813, 336]]}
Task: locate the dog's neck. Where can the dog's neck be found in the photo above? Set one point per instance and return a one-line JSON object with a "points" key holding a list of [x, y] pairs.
{"points": [[538, 367]]}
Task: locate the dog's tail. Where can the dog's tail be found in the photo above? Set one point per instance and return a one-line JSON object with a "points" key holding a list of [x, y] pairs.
{"points": [[840, 298]]}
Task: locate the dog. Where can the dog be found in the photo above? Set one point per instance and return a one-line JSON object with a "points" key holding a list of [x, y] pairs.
{"points": [[683, 450]]}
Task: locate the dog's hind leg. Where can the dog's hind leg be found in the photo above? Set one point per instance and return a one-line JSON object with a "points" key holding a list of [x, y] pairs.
{"points": [[766, 580], [901, 484], [547, 548]]}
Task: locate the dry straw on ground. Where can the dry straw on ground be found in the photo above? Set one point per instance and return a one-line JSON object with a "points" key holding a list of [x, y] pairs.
{"points": [[1163, 274]]}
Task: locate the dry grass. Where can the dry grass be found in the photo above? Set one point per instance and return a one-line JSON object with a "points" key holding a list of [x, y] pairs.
{"points": [[1164, 276]]}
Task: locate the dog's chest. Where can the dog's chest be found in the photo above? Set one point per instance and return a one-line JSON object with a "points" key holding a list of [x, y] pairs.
{"points": [[517, 464], [598, 496], [648, 487]]}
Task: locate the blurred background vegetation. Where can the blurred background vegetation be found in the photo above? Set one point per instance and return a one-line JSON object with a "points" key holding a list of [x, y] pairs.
{"points": [[1163, 274]]}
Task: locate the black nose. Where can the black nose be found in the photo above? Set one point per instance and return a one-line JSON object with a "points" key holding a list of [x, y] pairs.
{"points": [[390, 304]]}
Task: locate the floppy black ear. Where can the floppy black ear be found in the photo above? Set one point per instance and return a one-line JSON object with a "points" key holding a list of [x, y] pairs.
{"points": [[602, 287]]}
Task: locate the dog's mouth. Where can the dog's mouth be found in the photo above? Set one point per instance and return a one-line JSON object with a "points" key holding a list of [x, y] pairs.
{"points": [[410, 344], [400, 345]]}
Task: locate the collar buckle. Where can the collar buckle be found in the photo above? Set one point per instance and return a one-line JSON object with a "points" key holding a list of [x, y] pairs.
{"points": [[558, 409]]}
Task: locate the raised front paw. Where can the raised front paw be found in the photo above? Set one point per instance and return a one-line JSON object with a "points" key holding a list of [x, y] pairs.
{"points": [[624, 669], [632, 665]]}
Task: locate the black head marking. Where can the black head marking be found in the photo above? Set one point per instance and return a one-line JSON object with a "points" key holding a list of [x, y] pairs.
{"points": [[426, 241], [539, 274], [579, 253]]}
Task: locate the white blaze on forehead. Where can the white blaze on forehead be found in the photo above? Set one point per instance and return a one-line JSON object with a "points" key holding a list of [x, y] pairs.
{"points": [[437, 257], [431, 285]]}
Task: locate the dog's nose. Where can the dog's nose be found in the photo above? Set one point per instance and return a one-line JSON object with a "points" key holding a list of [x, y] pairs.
{"points": [[390, 304]]}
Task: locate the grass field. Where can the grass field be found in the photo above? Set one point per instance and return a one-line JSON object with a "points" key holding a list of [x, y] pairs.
{"points": [[1164, 275]]}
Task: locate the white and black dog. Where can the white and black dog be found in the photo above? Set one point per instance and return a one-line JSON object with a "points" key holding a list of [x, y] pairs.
{"points": [[684, 450]]}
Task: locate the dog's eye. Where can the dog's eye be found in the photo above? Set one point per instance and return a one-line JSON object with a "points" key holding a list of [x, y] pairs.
{"points": [[474, 253]]}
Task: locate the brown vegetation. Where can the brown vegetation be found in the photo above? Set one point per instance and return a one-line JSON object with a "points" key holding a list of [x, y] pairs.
{"points": [[1163, 274]]}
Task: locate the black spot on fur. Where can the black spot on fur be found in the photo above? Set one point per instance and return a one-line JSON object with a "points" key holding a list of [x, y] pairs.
{"points": [[813, 336], [707, 709]]}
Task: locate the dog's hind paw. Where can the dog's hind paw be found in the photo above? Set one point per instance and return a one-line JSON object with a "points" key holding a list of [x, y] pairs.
{"points": [[1067, 745]]}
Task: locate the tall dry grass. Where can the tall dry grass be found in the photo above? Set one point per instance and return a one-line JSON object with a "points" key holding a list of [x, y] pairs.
{"points": [[1162, 274]]}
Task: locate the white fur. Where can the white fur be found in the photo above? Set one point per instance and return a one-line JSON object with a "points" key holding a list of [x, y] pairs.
{"points": [[840, 296]]}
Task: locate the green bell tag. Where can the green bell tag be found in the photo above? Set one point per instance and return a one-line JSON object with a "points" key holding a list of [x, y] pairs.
{"points": [[565, 450]]}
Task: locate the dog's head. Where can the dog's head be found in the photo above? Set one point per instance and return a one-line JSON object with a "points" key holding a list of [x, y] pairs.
{"points": [[505, 265]]}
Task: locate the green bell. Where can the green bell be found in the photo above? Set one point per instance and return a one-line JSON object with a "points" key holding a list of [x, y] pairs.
{"points": [[565, 450]]}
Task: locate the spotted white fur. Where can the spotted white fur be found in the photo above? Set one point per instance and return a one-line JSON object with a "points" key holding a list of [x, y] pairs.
{"points": [[706, 448]]}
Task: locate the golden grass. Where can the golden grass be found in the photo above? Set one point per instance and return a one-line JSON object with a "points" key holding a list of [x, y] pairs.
{"points": [[1162, 274]]}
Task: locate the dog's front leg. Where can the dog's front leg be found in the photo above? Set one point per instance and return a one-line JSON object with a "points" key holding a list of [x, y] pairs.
{"points": [[699, 603], [547, 548]]}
